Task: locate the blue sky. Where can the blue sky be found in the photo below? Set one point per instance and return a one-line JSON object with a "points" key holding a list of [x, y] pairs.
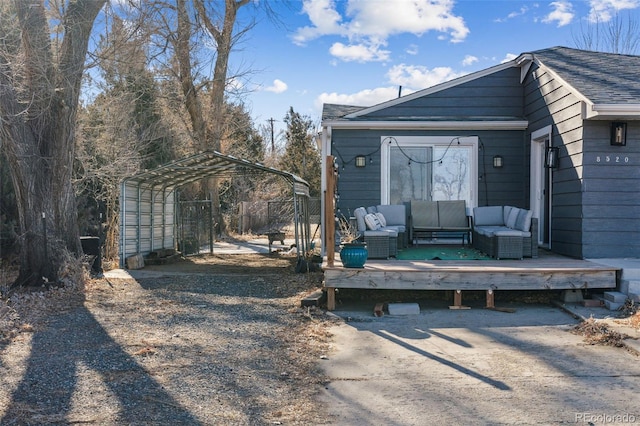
{"points": [[359, 52]]}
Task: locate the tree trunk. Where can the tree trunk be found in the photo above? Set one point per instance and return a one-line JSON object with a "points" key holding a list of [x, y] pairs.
{"points": [[39, 101], [224, 42]]}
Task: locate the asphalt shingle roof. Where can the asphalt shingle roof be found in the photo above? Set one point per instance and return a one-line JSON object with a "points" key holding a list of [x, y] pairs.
{"points": [[604, 78]]}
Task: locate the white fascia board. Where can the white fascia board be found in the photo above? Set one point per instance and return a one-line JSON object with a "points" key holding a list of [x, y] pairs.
{"points": [[433, 89], [607, 111], [429, 125]]}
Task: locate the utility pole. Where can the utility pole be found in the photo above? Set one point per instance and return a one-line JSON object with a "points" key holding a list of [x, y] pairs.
{"points": [[273, 147]]}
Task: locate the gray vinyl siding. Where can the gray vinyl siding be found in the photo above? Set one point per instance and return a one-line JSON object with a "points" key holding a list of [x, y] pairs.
{"points": [[611, 200], [495, 95], [361, 186], [549, 102]]}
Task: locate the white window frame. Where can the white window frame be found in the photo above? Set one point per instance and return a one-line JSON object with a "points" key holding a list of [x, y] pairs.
{"points": [[427, 141]]}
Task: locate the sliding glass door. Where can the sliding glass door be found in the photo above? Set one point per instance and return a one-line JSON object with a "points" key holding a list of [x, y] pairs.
{"points": [[430, 168]]}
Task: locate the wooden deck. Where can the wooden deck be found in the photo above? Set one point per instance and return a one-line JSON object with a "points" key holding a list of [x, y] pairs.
{"points": [[547, 272]]}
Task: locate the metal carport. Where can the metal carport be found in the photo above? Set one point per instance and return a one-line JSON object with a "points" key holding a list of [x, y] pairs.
{"points": [[148, 200]]}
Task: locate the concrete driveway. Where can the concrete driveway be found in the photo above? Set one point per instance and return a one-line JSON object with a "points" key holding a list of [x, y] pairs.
{"points": [[463, 367]]}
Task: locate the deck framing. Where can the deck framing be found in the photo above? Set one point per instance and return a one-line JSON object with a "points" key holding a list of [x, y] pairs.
{"points": [[548, 272]]}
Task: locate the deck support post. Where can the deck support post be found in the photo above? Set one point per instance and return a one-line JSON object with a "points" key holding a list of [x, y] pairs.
{"points": [[331, 298], [491, 303], [457, 301], [457, 298]]}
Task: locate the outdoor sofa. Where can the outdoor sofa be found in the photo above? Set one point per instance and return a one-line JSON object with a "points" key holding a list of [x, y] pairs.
{"points": [[505, 232], [443, 218]]}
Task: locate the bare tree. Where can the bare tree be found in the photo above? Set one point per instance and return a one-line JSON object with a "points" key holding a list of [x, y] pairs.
{"points": [[40, 78], [214, 24], [620, 34]]}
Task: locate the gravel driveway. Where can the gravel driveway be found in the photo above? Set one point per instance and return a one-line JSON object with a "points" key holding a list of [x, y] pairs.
{"points": [[224, 341]]}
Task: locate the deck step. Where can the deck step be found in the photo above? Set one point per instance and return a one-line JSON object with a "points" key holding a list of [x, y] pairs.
{"points": [[314, 299], [615, 296]]}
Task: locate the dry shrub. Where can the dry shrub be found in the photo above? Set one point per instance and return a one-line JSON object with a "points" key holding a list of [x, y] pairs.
{"points": [[599, 333], [26, 306]]}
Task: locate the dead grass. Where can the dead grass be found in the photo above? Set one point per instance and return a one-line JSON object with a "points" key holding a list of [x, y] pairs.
{"points": [[221, 341]]}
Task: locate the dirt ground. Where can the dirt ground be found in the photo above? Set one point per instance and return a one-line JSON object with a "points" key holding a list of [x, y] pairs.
{"points": [[224, 341]]}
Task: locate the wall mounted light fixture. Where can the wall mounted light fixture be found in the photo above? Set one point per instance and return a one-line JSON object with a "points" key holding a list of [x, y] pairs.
{"points": [[618, 133], [552, 157], [360, 161], [497, 162]]}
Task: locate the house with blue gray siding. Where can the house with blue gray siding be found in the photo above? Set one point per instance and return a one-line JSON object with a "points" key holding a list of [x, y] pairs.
{"points": [[556, 131]]}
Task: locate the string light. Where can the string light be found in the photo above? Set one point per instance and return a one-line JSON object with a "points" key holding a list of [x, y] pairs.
{"points": [[392, 140]]}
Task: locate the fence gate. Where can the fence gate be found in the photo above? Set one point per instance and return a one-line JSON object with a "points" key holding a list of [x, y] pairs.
{"points": [[196, 227]]}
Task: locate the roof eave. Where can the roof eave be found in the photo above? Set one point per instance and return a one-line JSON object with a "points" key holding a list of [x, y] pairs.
{"points": [[613, 111], [428, 125]]}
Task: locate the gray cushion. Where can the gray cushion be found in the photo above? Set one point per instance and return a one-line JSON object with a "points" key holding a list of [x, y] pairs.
{"points": [[382, 219], [505, 213], [395, 214], [489, 215], [397, 228], [523, 223], [508, 233], [360, 213], [512, 218], [372, 209]]}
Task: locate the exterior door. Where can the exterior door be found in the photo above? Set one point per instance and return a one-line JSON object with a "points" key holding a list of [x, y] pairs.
{"points": [[541, 185]]}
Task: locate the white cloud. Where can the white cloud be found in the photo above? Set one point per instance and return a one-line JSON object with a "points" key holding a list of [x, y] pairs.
{"points": [[358, 52], [562, 13], [370, 23], [278, 86], [523, 10], [325, 20], [604, 10], [363, 98], [508, 57], [412, 50], [419, 77], [469, 60]]}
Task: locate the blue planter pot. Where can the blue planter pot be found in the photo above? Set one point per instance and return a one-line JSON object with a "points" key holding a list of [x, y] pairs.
{"points": [[354, 255]]}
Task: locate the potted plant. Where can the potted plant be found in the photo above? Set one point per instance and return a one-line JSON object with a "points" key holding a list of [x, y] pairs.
{"points": [[353, 251]]}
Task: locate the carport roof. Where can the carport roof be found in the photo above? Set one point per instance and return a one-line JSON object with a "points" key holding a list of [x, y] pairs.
{"points": [[209, 164]]}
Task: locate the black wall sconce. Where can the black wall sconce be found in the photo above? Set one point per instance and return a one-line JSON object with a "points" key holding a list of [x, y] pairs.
{"points": [[360, 161], [497, 162], [618, 133], [552, 157]]}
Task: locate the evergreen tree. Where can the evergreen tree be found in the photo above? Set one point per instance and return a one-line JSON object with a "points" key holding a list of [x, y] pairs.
{"points": [[301, 156]]}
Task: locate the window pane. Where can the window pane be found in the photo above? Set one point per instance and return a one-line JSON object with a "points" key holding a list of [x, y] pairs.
{"points": [[410, 174], [451, 173]]}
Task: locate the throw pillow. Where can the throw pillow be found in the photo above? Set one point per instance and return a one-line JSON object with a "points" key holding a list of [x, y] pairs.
{"points": [[383, 221], [372, 221]]}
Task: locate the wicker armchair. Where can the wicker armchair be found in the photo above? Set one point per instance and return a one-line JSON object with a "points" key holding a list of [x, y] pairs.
{"points": [[381, 243]]}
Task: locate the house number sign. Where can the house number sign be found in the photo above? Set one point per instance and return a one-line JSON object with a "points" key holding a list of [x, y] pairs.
{"points": [[622, 159]]}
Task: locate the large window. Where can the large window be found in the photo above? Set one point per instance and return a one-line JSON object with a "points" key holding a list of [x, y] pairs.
{"points": [[429, 168]]}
